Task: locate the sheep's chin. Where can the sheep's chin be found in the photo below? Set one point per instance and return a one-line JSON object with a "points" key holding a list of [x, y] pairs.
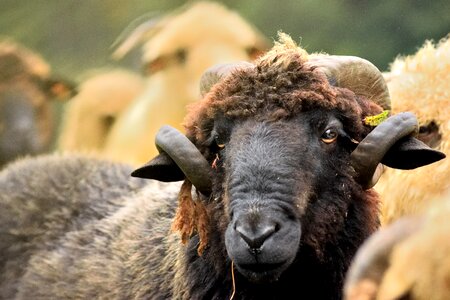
{"points": [[262, 273]]}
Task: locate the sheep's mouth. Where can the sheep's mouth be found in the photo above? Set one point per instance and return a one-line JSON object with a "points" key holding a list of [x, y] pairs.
{"points": [[259, 268], [262, 272]]}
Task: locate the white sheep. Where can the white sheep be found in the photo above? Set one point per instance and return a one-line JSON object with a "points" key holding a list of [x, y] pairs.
{"points": [[177, 49], [88, 117], [408, 259], [420, 83]]}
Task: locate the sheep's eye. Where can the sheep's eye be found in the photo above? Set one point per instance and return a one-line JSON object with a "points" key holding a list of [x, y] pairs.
{"points": [[428, 128], [429, 134], [108, 121], [181, 55], [329, 136]]}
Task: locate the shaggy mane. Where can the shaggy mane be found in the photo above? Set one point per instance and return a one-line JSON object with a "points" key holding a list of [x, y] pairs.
{"points": [[281, 85]]}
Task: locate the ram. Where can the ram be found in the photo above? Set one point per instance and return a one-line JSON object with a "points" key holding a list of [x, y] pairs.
{"points": [[177, 48], [420, 83], [408, 259], [27, 124], [282, 158]]}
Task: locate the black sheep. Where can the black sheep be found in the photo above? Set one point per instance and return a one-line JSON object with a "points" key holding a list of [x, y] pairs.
{"points": [[282, 162]]}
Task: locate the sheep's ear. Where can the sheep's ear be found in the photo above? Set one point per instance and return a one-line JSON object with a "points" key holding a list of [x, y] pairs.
{"points": [[59, 88], [161, 168], [410, 153]]}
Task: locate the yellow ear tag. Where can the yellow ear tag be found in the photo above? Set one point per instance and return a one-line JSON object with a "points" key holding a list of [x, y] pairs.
{"points": [[377, 119]]}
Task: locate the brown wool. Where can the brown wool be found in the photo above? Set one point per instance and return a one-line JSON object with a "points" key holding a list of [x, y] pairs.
{"points": [[191, 217]]}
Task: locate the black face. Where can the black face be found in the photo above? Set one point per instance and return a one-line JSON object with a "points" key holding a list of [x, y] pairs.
{"points": [[270, 171]]}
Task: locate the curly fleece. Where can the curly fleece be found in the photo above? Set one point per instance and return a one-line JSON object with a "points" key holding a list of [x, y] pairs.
{"points": [[280, 85]]}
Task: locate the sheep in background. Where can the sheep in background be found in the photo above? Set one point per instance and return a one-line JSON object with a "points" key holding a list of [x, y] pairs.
{"points": [[27, 123], [420, 83], [263, 223], [408, 259], [89, 116], [177, 49]]}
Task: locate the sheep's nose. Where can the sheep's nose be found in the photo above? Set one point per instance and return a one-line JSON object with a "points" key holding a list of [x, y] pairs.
{"points": [[256, 234]]}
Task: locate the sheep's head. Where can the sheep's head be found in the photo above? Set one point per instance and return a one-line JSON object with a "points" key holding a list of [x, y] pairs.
{"points": [[193, 38], [26, 88], [285, 153]]}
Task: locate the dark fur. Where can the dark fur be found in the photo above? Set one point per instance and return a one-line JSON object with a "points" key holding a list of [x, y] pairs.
{"points": [[118, 245], [265, 118]]}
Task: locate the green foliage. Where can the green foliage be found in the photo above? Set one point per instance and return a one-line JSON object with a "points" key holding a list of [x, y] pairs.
{"points": [[76, 35]]}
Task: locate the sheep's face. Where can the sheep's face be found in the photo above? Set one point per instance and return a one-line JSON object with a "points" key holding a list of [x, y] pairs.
{"points": [[24, 121], [270, 174], [26, 124], [279, 138]]}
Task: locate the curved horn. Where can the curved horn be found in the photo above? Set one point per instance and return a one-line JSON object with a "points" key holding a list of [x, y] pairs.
{"points": [[217, 72], [371, 150], [187, 157], [356, 74], [372, 259]]}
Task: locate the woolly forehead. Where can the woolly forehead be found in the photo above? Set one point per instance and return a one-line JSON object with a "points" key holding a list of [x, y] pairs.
{"points": [[280, 86]]}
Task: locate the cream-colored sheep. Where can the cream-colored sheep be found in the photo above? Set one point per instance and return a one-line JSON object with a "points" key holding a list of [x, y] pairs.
{"points": [[420, 83], [409, 259], [177, 48], [89, 115]]}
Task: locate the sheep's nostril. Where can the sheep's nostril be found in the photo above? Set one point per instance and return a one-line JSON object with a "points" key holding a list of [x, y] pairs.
{"points": [[255, 236]]}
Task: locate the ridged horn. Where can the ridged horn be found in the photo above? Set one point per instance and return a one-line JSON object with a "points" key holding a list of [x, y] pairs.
{"points": [[371, 150], [187, 157], [372, 259], [355, 73], [218, 72]]}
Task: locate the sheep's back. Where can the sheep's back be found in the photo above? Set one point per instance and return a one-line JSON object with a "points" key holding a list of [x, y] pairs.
{"points": [[57, 204]]}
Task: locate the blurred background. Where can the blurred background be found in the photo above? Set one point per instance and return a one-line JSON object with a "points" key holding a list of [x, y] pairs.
{"points": [[75, 35], [117, 103]]}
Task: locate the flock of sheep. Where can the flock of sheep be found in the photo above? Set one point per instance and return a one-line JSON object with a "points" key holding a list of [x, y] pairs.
{"points": [[286, 173]]}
